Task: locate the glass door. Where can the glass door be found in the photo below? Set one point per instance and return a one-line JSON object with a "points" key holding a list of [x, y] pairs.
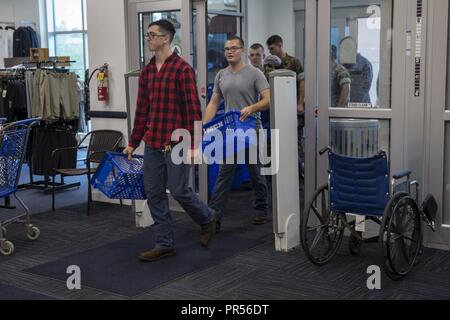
{"points": [[438, 123], [359, 84], [190, 20]]}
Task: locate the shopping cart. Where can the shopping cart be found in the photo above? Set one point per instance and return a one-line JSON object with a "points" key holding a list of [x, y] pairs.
{"points": [[13, 144]]}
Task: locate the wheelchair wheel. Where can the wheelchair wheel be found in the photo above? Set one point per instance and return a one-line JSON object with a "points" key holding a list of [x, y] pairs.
{"points": [[321, 230], [400, 236]]}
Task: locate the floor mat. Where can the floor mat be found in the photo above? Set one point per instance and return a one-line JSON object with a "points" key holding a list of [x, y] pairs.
{"points": [[115, 267], [8, 292]]}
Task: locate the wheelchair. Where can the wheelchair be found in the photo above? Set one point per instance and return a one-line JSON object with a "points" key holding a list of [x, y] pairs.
{"points": [[362, 188]]}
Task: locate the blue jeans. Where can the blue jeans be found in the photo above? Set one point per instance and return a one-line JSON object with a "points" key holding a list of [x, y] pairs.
{"points": [[160, 174], [223, 186]]}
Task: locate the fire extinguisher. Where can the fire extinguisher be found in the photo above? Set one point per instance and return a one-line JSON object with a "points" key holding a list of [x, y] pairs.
{"points": [[102, 84]]}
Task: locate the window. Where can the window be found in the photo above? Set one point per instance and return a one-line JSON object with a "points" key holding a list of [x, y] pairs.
{"points": [[67, 32], [224, 5], [361, 41], [224, 21]]}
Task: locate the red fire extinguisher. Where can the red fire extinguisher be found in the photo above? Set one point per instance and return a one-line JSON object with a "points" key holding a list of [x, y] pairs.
{"points": [[102, 83]]}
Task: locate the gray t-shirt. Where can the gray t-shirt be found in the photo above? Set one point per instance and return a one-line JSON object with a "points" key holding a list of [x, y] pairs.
{"points": [[242, 89]]}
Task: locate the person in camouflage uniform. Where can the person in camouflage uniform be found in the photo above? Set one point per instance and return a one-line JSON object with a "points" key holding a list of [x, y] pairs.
{"points": [[340, 82], [275, 45], [362, 77]]}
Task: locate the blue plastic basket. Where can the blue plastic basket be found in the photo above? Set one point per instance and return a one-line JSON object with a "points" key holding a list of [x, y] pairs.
{"points": [[119, 178], [230, 121]]}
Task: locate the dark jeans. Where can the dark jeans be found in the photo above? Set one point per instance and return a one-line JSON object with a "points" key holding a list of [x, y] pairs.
{"points": [[161, 173], [223, 186]]}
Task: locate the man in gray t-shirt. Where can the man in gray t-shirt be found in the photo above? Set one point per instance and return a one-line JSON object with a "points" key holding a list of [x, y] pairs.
{"points": [[243, 88]]}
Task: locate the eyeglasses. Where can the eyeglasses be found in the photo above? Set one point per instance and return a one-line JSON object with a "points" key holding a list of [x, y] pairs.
{"points": [[151, 35], [232, 49]]}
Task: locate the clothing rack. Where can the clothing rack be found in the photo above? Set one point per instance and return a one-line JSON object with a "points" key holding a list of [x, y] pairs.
{"points": [[46, 184], [52, 63]]}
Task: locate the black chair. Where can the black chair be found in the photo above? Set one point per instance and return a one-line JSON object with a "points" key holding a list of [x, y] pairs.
{"points": [[101, 141]]}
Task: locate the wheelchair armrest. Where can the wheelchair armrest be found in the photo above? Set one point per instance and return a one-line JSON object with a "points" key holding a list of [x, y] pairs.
{"points": [[324, 150], [403, 174]]}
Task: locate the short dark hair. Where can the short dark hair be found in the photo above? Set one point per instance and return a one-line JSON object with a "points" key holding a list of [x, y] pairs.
{"points": [[165, 26], [257, 46], [241, 42], [275, 39]]}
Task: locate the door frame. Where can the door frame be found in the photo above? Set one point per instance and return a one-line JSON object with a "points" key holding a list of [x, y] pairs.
{"points": [[134, 8], [407, 125], [437, 118]]}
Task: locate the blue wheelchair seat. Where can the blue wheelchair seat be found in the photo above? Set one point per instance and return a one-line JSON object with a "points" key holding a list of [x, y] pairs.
{"points": [[359, 186]]}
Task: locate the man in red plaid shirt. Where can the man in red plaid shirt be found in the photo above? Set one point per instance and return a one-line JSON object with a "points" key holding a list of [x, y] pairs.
{"points": [[167, 101]]}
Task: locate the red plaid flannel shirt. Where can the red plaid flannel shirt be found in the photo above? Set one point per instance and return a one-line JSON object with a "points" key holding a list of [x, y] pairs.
{"points": [[167, 100]]}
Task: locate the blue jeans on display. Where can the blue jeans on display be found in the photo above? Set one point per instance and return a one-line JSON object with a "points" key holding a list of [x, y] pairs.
{"points": [[160, 174], [224, 184]]}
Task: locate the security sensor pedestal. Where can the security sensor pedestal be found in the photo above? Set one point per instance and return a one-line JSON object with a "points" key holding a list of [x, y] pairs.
{"points": [[285, 179]]}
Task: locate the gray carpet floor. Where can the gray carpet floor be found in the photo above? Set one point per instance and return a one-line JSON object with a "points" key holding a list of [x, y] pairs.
{"points": [[259, 273]]}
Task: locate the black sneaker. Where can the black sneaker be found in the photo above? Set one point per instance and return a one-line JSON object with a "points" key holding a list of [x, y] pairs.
{"points": [[218, 225]]}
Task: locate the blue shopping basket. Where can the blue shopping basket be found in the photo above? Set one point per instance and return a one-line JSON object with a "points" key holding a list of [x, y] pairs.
{"points": [[241, 139], [119, 178]]}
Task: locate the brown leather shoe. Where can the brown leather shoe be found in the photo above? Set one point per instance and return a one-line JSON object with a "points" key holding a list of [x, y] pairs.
{"points": [[156, 254], [259, 221], [208, 231]]}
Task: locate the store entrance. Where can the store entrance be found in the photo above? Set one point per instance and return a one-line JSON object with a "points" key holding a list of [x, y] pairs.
{"points": [[189, 19]]}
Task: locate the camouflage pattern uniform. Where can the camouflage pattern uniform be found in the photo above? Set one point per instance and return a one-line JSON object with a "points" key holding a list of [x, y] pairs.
{"points": [[289, 63], [293, 64], [339, 77], [362, 76]]}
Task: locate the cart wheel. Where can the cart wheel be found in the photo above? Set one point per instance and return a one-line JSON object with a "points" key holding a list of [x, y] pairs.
{"points": [[321, 230], [33, 233], [6, 248], [400, 236], [354, 245]]}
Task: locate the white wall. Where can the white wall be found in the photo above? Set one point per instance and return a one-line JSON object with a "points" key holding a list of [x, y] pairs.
{"points": [[107, 44], [6, 10], [257, 17], [18, 11], [268, 17]]}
